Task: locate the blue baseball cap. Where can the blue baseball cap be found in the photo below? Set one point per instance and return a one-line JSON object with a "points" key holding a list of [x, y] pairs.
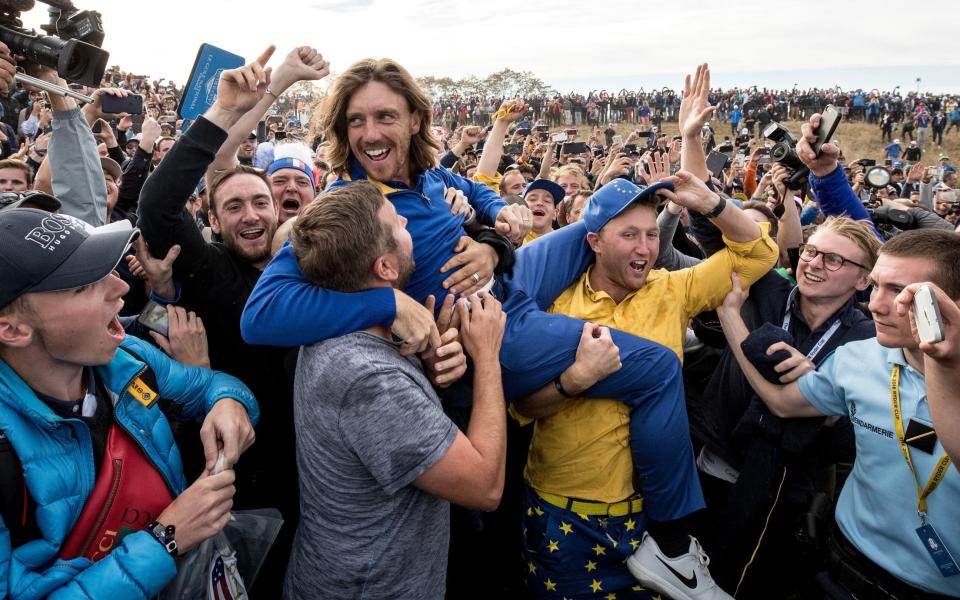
{"points": [[545, 184], [613, 198]]}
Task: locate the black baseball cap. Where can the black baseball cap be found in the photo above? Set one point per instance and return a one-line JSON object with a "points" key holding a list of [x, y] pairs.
{"points": [[39, 200], [46, 252]]}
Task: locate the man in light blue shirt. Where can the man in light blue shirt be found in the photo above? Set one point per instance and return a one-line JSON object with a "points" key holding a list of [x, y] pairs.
{"points": [[881, 540]]}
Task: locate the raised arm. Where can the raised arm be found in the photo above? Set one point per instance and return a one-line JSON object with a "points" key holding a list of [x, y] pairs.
{"points": [[695, 110], [163, 218], [301, 64], [652, 168], [510, 112], [136, 171], [834, 195], [790, 232], [73, 161]]}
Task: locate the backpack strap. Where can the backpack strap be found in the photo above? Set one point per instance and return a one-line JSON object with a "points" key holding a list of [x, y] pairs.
{"points": [[16, 506]]}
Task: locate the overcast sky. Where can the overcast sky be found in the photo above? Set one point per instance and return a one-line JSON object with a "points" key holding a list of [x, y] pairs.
{"points": [[568, 43]]}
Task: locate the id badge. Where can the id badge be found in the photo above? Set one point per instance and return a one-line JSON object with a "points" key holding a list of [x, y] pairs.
{"points": [[938, 552]]}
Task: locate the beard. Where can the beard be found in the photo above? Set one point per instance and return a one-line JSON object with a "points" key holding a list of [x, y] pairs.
{"points": [[407, 267], [252, 256]]}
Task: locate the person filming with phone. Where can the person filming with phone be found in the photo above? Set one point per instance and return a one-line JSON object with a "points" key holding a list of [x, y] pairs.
{"points": [[897, 517]]}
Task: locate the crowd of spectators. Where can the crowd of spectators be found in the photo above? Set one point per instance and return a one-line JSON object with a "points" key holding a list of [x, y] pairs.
{"points": [[476, 347]]}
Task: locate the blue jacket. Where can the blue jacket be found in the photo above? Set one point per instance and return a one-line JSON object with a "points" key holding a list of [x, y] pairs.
{"points": [[836, 198], [57, 459], [286, 309]]}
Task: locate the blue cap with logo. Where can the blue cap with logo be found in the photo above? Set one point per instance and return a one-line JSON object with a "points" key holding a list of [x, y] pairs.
{"points": [[613, 198], [46, 252]]}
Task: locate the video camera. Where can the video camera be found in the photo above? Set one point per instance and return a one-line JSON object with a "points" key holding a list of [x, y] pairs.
{"points": [[72, 43], [784, 153]]}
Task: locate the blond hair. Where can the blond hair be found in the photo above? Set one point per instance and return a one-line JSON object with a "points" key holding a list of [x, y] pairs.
{"points": [[858, 232]]}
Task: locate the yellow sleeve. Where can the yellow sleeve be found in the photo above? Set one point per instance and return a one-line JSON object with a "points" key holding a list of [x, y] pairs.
{"points": [[707, 284], [492, 182]]}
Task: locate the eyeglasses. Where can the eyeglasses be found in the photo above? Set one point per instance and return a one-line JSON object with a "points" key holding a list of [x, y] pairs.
{"points": [[831, 260]]}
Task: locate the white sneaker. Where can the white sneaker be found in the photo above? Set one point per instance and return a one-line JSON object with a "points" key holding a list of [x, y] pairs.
{"points": [[685, 577]]}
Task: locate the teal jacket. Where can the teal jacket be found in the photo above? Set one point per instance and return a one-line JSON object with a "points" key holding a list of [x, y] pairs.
{"points": [[57, 459]]}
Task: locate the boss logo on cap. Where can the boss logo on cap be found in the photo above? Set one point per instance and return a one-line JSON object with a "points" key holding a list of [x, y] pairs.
{"points": [[51, 231]]}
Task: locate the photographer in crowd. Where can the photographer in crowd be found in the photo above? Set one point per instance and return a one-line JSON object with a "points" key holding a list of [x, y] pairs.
{"points": [[380, 227]]}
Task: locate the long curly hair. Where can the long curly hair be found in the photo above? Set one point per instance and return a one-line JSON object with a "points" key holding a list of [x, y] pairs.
{"points": [[424, 147]]}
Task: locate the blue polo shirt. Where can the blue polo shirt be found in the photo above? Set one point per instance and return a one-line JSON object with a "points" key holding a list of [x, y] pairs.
{"points": [[877, 509]]}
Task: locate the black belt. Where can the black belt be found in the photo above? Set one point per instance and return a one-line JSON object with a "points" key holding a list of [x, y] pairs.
{"points": [[864, 579]]}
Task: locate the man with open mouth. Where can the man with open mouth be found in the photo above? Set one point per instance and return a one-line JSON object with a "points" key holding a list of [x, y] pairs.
{"points": [[542, 197], [93, 495], [292, 181]]}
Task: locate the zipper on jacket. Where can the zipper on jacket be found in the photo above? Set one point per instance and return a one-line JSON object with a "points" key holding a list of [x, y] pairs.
{"points": [[114, 486], [134, 438]]}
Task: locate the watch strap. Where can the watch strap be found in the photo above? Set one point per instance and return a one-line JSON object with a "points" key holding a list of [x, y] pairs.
{"points": [[722, 204], [560, 390], [166, 535]]}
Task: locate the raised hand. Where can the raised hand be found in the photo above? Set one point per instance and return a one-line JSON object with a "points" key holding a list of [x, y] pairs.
{"points": [[690, 192], [695, 109], [471, 135], [657, 167], [822, 165], [511, 111], [158, 272], [303, 63], [240, 89]]}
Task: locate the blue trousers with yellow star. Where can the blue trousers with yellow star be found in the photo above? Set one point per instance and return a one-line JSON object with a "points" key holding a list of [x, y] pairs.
{"points": [[538, 347], [571, 556]]}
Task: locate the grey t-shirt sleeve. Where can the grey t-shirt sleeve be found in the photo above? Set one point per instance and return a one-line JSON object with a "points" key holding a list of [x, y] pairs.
{"points": [[670, 258], [395, 428]]}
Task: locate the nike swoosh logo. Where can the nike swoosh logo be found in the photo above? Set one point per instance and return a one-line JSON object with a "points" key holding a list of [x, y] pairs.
{"points": [[690, 582]]}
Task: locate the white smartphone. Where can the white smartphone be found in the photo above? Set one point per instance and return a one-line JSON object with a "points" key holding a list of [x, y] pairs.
{"points": [[927, 314], [559, 137]]}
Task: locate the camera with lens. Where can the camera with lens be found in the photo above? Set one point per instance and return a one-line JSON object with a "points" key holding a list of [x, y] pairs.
{"points": [[784, 153], [71, 44]]}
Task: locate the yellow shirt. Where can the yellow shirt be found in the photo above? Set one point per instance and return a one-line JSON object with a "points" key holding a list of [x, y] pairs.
{"points": [[491, 181], [530, 237], [583, 451]]}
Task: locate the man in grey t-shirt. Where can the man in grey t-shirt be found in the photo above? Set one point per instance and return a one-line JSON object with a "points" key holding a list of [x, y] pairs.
{"points": [[378, 459]]}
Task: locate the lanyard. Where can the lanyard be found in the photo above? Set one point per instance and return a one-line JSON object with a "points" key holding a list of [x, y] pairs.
{"points": [[938, 472], [826, 334]]}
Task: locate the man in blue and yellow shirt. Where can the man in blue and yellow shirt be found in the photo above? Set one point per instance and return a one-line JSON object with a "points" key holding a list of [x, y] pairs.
{"points": [[584, 514]]}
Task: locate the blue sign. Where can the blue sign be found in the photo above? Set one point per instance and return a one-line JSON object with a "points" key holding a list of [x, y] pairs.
{"points": [[201, 90]]}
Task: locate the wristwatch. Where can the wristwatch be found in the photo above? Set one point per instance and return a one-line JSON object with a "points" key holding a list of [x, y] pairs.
{"points": [[165, 534], [559, 387], [722, 204]]}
